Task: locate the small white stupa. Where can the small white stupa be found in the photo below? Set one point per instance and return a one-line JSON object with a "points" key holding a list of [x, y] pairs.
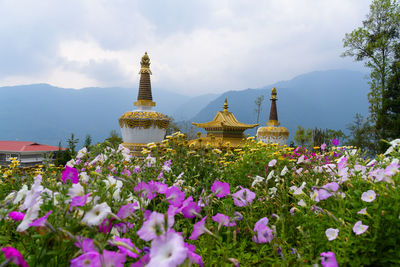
{"points": [[143, 125]]}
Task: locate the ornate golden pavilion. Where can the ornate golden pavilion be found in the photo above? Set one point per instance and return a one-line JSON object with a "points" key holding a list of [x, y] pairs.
{"points": [[143, 125], [273, 133], [224, 130]]}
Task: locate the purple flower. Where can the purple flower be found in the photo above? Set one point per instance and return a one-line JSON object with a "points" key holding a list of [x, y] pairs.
{"points": [[392, 169], [220, 189], [16, 216], [126, 246], [328, 259], [143, 261], [264, 233], [41, 221], [154, 226], [243, 197], [192, 256], [198, 229], [106, 226], [359, 228], [90, 258], [368, 196], [167, 250], [13, 255], [70, 174], [112, 259], [190, 209], [335, 142], [146, 190], [175, 196], [323, 146], [86, 244], [127, 210], [79, 201], [223, 219], [362, 211]]}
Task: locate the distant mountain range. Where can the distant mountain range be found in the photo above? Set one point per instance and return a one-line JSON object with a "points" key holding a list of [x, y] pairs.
{"points": [[48, 114]]}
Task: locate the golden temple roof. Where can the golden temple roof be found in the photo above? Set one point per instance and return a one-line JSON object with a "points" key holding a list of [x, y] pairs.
{"points": [[225, 120]]}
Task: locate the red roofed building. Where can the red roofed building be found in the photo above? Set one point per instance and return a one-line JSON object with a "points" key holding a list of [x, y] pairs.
{"points": [[28, 153]]}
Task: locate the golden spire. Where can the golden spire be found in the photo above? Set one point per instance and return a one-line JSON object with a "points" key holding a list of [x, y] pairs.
{"points": [[226, 105], [273, 94], [145, 64]]}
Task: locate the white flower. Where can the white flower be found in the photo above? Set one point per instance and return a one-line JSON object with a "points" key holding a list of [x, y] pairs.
{"points": [[257, 180], [368, 196], [33, 195], [272, 163], [81, 153], [21, 194], [331, 233], [363, 211], [301, 159], [10, 196], [150, 161], [76, 190], [30, 215], [97, 214], [359, 228], [111, 182], [302, 203], [167, 250], [84, 177], [284, 171], [297, 190], [71, 163], [272, 191], [270, 175]]}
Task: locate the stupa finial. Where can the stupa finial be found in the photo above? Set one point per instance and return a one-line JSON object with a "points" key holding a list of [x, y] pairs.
{"points": [[145, 64], [226, 104], [273, 94]]}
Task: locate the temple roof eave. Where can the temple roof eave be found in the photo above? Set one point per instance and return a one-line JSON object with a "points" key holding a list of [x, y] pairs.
{"points": [[222, 126]]}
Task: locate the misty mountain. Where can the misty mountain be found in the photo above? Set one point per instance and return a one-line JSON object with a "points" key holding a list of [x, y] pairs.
{"points": [[324, 99], [48, 114]]}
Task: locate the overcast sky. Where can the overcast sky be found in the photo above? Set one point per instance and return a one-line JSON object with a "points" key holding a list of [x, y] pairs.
{"points": [[195, 46]]}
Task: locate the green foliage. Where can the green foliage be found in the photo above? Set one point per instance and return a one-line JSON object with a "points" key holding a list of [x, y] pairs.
{"points": [[303, 137], [375, 43], [88, 141], [114, 139], [361, 133], [72, 141]]}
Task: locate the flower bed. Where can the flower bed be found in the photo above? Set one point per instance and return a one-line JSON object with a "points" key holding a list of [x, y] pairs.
{"points": [[257, 205]]}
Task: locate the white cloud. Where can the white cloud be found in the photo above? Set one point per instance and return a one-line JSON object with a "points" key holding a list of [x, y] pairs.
{"points": [[195, 46]]}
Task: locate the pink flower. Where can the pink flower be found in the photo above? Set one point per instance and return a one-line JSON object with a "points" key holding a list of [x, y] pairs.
{"points": [[223, 219], [154, 226], [127, 210], [192, 256], [392, 169], [167, 250], [264, 233], [362, 211], [198, 229], [335, 142], [112, 259], [106, 226], [90, 258], [13, 255], [190, 209], [79, 201], [220, 189], [70, 174], [328, 259], [126, 246], [243, 197], [272, 163], [16, 216], [146, 190], [359, 228], [323, 146], [41, 221], [368, 196], [174, 196]]}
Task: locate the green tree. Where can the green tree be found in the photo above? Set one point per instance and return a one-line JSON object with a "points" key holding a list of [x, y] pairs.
{"points": [[88, 141], [258, 106], [72, 141], [114, 139], [374, 43], [173, 126], [361, 133], [303, 137], [62, 156]]}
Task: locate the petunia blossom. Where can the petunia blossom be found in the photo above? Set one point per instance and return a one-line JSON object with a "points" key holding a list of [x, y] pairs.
{"points": [[167, 250], [243, 197], [198, 229], [223, 219], [359, 228], [264, 233], [125, 246], [192, 256], [328, 259], [220, 189], [70, 173], [14, 256], [91, 258], [174, 196], [154, 226], [16, 216], [368, 196], [127, 210], [331, 233], [272, 163], [41, 221], [362, 211], [97, 214]]}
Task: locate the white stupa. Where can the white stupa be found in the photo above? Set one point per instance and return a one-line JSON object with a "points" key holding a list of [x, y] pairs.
{"points": [[143, 125]]}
